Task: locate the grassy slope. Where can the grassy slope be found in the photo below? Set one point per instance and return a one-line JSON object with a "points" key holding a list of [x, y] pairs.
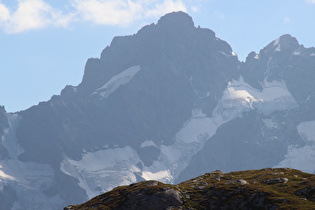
{"points": [[218, 190]]}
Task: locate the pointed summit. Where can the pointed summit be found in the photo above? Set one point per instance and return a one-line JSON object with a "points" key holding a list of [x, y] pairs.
{"points": [[176, 19], [287, 39], [285, 43]]}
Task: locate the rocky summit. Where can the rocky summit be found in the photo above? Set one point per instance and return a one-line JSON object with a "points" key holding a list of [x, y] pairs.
{"points": [[279, 188], [168, 103]]}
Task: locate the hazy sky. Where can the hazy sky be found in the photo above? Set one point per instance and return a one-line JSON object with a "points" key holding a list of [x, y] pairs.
{"points": [[44, 44]]}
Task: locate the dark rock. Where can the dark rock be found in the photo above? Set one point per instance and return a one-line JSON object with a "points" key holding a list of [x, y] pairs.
{"points": [[203, 183], [307, 193], [237, 181]]}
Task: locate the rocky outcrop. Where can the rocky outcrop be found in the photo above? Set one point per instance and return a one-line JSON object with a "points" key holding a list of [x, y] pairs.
{"points": [[144, 195], [254, 189], [278, 180]]}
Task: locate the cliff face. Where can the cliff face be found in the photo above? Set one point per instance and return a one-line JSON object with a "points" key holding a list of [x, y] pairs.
{"points": [[283, 188]]}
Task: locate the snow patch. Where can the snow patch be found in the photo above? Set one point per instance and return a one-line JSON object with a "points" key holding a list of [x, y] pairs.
{"points": [[240, 96], [278, 49], [197, 113], [4, 176], [147, 144], [159, 175], [256, 56], [307, 130], [302, 158], [103, 170], [197, 128], [116, 81], [269, 123], [223, 53], [296, 53], [229, 54], [276, 42]]}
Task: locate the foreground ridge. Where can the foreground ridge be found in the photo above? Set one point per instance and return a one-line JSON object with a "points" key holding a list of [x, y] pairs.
{"points": [[253, 189]]}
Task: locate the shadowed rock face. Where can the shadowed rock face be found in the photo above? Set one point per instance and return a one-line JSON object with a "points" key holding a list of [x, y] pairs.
{"points": [[176, 60], [256, 189], [3, 125]]}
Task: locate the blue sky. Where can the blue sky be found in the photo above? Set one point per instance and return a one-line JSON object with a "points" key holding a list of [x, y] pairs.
{"points": [[44, 44]]}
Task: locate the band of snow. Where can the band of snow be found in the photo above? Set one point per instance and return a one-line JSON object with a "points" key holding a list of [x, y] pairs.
{"points": [[277, 43], [116, 81], [148, 143]]}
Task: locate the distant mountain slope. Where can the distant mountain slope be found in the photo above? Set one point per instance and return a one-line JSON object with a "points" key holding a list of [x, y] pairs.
{"points": [[168, 103], [281, 188]]}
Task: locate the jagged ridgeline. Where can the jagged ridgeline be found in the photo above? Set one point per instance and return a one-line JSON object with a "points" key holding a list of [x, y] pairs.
{"points": [[281, 188], [168, 103]]}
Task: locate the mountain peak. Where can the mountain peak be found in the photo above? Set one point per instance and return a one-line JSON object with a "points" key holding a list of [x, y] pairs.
{"points": [[286, 40], [284, 45], [174, 19]]}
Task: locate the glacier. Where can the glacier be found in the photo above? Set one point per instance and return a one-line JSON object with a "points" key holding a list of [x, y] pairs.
{"points": [[307, 130], [302, 157], [103, 170], [274, 96]]}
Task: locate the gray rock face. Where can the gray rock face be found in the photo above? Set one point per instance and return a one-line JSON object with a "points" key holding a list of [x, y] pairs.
{"points": [[144, 195], [241, 181], [3, 126], [278, 180], [147, 200], [237, 181], [308, 193]]}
